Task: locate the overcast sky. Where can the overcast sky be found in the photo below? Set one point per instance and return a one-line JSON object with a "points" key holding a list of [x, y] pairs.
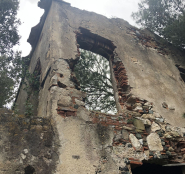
{"points": [[30, 14]]}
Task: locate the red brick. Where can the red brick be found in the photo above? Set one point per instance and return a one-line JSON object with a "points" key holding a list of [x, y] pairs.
{"points": [[163, 153], [95, 120], [136, 162]]}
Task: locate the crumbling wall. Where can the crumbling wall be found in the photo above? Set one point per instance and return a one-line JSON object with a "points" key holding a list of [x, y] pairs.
{"points": [[28, 145], [150, 92]]}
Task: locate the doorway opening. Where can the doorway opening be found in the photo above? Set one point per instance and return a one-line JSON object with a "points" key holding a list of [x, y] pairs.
{"points": [[148, 168]]}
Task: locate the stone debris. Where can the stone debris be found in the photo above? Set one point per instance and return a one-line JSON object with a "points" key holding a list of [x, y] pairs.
{"points": [[154, 142], [135, 142], [148, 116], [155, 127], [139, 125]]}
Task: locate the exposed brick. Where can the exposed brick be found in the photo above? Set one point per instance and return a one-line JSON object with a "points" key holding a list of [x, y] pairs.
{"points": [[136, 162]]}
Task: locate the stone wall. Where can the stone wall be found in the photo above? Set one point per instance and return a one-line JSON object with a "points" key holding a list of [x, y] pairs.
{"points": [[28, 145], [149, 125]]}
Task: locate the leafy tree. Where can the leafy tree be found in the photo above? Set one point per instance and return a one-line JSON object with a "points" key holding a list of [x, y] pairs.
{"points": [[164, 17], [10, 61], [93, 73]]}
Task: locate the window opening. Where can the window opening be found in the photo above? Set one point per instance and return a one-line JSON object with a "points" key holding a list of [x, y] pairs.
{"points": [[94, 76]]}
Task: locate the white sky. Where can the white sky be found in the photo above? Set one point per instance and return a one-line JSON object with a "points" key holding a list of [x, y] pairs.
{"points": [[29, 14]]}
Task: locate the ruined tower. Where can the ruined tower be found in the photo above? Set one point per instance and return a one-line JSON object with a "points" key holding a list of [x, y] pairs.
{"points": [[62, 136]]}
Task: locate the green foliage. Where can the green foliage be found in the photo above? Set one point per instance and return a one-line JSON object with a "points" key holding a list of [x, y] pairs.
{"points": [[32, 82], [10, 73], [8, 26], [28, 109], [93, 73], [164, 17], [10, 61]]}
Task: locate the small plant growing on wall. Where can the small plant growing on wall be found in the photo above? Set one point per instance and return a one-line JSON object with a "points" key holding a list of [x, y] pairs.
{"points": [[28, 109]]}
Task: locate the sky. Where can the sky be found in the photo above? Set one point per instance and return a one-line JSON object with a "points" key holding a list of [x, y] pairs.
{"points": [[29, 14]]}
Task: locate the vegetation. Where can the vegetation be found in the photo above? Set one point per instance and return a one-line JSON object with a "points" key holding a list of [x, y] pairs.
{"points": [[10, 61], [164, 17], [93, 73]]}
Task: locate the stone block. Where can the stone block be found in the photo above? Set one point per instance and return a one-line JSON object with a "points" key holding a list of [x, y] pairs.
{"points": [[154, 142], [135, 142], [155, 127], [65, 101], [139, 125]]}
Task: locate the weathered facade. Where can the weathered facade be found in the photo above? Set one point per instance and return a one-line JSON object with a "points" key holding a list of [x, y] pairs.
{"points": [[150, 96]]}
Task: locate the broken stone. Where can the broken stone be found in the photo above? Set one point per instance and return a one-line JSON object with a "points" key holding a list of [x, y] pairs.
{"points": [[138, 136], [148, 116], [157, 115], [23, 156], [148, 104], [171, 149], [163, 127], [168, 136], [174, 134], [150, 112], [168, 129], [146, 122], [128, 128], [65, 101], [154, 142], [155, 127], [160, 120], [135, 142], [139, 125], [25, 151], [141, 141], [80, 103], [138, 108]]}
